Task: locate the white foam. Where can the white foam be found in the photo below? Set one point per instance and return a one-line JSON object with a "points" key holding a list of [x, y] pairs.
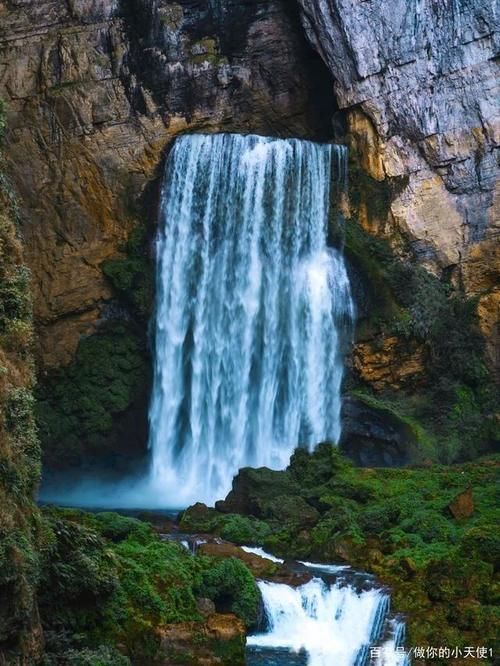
{"points": [[262, 553]]}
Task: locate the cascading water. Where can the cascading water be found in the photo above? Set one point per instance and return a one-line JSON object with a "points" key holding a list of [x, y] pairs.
{"points": [[251, 305], [321, 624]]}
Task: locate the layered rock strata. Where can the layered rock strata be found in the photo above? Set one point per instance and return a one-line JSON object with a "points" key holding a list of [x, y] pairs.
{"points": [[96, 90], [417, 83]]}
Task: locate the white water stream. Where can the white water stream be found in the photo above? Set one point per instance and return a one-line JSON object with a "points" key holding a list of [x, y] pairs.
{"points": [[332, 623], [251, 309]]}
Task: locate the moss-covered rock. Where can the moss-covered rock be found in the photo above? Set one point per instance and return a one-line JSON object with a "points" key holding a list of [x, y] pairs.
{"points": [[254, 489], [93, 412], [442, 389], [396, 523], [231, 586], [110, 583], [132, 274], [20, 636]]}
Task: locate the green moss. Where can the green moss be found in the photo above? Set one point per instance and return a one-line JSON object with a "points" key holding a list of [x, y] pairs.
{"points": [[102, 656], [19, 448], [110, 582], [396, 523], [452, 415], [232, 587], [80, 407], [132, 275], [206, 50], [244, 530]]}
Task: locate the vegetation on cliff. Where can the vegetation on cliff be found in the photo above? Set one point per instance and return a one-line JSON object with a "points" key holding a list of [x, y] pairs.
{"points": [[429, 532], [19, 448], [110, 588], [446, 396], [82, 409], [93, 413]]}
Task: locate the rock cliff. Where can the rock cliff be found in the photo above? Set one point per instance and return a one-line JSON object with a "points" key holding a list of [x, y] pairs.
{"points": [[96, 89], [416, 83], [20, 632]]}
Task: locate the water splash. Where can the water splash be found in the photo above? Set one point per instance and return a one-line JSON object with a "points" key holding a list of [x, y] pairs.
{"points": [[251, 305], [332, 624]]}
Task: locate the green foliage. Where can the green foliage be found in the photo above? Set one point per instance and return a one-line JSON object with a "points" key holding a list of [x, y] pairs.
{"points": [[116, 528], [231, 587], [244, 530], [458, 399], [200, 518], [79, 405], [15, 302], [131, 275], [110, 582], [78, 575], [19, 449], [397, 524], [103, 655]]}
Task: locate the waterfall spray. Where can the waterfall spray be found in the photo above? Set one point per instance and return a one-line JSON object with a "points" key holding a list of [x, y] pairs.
{"points": [[251, 309]]}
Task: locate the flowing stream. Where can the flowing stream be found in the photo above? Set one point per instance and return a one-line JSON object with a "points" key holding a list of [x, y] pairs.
{"points": [[252, 306], [339, 617], [324, 623]]}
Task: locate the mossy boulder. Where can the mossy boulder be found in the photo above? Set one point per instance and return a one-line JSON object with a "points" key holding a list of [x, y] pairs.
{"points": [[231, 586], [244, 530], [419, 356], [253, 489], [394, 522], [111, 589], [199, 518]]}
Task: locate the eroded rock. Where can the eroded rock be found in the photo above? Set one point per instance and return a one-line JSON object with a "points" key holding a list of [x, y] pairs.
{"points": [[417, 83]]}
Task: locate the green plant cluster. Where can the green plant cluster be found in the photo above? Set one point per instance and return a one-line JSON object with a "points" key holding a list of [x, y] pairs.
{"points": [[79, 405], [109, 582], [455, 405], [396, 523], [93, 412], [132, 275], [231, 586], [239, 529]]}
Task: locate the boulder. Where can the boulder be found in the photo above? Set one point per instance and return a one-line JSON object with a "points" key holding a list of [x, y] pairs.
{"points": [[462, 506], [374, 437], [253, 489]]}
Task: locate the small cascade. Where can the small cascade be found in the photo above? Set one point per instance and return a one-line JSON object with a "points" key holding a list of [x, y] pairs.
{"points": [[252, 306], [325, 623]]}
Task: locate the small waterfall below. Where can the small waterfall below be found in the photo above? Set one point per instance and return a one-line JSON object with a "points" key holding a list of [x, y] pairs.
{"points": [[326, 624], [251, 310]]}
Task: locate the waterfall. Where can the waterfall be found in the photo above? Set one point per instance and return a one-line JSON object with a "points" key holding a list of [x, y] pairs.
{"points": [[330, 623], [251, 306]]}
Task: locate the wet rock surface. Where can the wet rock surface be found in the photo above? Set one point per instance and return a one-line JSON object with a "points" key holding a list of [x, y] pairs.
{"points": [[420, 80], [372, 437]]}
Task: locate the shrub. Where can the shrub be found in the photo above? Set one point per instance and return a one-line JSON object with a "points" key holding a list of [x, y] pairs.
{"points": [[230, 585], [244, 530]]}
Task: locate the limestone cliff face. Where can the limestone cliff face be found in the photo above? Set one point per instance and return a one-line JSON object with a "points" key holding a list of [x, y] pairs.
{"points": [[416, 81], [95, 90]]}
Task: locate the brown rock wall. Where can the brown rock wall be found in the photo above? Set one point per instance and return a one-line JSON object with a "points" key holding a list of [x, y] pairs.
{"points": [[95, 91]]}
